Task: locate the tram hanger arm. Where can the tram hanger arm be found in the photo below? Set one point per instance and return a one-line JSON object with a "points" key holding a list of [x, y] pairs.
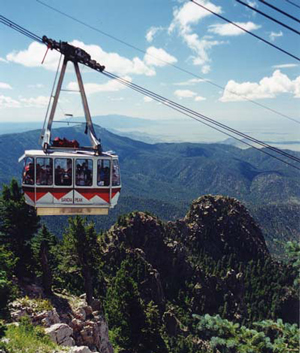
{"points": [[76, 55], [73, 54]]}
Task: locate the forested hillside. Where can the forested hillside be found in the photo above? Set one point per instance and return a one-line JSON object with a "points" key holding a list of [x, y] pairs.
{"points": [[165, 178], [203, 283]]}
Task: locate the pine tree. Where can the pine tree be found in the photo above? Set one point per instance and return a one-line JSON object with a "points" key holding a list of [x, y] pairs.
{"points": [[124, 310], [43, 245], [80, 251], [18, 224], [7, 264]]}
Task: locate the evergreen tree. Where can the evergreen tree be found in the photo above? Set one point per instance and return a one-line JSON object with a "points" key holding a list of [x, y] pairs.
{"points": [[135, 325], [80, 251], [43, 245], [18, 224], [7, 264], [292, 250], [125, 310]]}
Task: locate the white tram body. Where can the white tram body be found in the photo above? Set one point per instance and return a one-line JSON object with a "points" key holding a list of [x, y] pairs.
{"points": [[71, 183]]}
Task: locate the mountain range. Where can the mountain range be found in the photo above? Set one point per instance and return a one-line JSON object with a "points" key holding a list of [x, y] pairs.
{"points": [[163, 178]]}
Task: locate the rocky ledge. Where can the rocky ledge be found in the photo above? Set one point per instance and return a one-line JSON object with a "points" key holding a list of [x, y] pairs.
{"points": [[68, 321]]}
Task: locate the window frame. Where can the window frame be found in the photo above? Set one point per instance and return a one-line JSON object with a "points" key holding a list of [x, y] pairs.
{"points": [[53, 181], [109, 174], [72, 174], [75, 172], [24, 171], [115, 160]]}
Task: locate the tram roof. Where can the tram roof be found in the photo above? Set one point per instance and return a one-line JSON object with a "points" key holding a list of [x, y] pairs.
{"points": [[68, 153]]}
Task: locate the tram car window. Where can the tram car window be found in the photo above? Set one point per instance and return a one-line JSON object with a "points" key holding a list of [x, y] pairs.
{"points": [[84, 172], [44, 171], [116, 180], [28, 171], [103, 169], [63, 171]]}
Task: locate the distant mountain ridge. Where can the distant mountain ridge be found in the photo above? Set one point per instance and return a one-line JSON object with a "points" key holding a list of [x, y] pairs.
{"points": [[168, 176]]}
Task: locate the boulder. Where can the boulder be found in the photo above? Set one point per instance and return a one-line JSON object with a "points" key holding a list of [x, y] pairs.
{"points": [[80, 314], [88, 310], [61, 334], [81, 349]]}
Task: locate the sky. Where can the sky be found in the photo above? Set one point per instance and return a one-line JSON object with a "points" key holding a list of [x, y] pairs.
{"points": [[177, 32]]}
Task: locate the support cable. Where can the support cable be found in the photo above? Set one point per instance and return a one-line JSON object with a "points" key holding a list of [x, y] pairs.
{"points": [[20, 29], [212, 83], [292, 3], [245, 30], [166, 102], [269, 17], [279, 10], [181, 108], [184, 110]]}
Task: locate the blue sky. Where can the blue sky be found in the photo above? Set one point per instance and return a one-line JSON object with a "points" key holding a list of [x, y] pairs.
{"points": [[178, 32]]}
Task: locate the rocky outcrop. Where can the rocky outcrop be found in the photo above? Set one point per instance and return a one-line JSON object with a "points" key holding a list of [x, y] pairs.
{"points": [[70, 322], [221, 226], [81, 349], [215, 225], [61, 334], [35, 310]]}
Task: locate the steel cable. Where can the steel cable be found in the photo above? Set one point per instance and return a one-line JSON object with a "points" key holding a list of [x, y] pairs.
{"points": [[186, 111], [245, 30], [212, 83]]}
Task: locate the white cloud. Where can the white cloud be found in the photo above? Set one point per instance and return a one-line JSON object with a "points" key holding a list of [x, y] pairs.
{"points": [[3, 60], [183, 19], [284, 66], [184, 93], [227, 29], [201, 48], [113, 99], [147, 99], [252, 3], [36, 85], [190, 82], [8, 102], [4, 85], [152, 32], [190, 14], [205, 69], [114, 62], [158, 57], [91, 88], [274, 35], [268, 87], [200, 99], [37, 102], [33, 56]]}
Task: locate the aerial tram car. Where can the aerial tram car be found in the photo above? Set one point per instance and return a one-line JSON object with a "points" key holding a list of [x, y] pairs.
{"points": [[64, 178]]}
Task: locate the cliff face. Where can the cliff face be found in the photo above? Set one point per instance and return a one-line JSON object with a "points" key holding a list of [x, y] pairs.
{"points": [[221, 226], [153, 279], [68, 321], [216, 226]]}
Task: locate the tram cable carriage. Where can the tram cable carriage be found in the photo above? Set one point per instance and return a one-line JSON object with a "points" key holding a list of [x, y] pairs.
{"points": [[64, 178]]}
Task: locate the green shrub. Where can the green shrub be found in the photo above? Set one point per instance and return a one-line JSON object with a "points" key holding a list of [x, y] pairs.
{"points": [[268, 337], [26, 338]]}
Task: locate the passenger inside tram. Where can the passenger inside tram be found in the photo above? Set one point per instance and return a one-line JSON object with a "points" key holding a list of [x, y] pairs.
{"points": [[58, 175], [103, 174], [84, 172], [116, 174], [44, 174], [63, 171], [28, 175]]}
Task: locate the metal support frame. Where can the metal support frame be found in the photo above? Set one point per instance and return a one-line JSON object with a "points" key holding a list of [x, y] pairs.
{"points": [[46, 142]]}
